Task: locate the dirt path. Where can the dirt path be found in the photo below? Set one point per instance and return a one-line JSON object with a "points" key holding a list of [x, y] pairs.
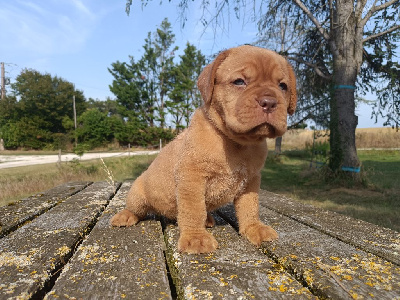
{"points": [[12, 161]]}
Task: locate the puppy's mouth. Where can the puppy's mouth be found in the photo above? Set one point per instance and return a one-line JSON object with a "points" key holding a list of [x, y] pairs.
{"points": [[264, 130], [259, 132]]}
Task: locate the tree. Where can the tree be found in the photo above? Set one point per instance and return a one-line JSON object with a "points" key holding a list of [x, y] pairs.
{"points": [[346, 43], [8, 110], [34, 115], [109, 106], [47, 97], [141, 87], [335, 45], [184, 95], [165, 53], [94, 128], [282, 39], [127, 86], [26, 132], [147, 71]]}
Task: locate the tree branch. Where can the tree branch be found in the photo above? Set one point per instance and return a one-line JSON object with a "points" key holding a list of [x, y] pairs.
{"points": [[383, 6], [374, 36], [359, 8], [313, 66], [321, 30], [374, 9], [301, 121]]}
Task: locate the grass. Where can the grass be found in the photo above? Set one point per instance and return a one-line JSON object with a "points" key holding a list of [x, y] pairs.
{"points": [[18, 183], [384, 137], [377, 200]]}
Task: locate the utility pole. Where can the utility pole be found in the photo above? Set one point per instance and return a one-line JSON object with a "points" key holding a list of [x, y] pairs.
{"points": [[3, 82], [76, 140]]}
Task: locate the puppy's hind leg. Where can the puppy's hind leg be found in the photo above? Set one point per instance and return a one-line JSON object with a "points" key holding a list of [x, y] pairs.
{"points": [[210, 221], [135, 209]]}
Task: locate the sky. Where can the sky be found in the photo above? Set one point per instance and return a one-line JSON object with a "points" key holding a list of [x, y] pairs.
{"points": [[78, 40]]}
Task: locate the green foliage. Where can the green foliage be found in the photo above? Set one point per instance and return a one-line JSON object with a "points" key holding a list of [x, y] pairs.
{"points": [[141, 87], [26, 133], [94, 128], [38, 111], [145, 137], [8, 110], [184, 95], [49, 98], [151, 91], [127, 87], [80, 149]]}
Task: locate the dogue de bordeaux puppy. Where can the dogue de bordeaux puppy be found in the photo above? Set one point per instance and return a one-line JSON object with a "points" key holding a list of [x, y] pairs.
{"points": [[247, 93]]}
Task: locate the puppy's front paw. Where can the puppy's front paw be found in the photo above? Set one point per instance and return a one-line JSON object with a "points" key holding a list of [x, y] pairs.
{"points": [[124, 218], [197, 242], [258, 232]]}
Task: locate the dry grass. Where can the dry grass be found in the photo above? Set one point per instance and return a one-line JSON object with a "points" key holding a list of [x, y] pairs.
{"points": [[21, 182], [377, 138], [15, 185], [298, 139]]}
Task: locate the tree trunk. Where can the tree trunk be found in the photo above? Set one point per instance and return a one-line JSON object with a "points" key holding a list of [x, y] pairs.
{"points": [[347, 58], [342, 127], [278, 145]]}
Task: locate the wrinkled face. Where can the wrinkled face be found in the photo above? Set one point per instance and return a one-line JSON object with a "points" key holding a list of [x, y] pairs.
{"points": [[253, 90]]}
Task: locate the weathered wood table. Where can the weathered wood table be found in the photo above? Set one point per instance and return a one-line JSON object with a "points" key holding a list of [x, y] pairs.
{"points": [[59, 244]]}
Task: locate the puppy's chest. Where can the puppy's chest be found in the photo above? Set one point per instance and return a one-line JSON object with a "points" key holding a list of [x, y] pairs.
{"points": [[226, 184]]}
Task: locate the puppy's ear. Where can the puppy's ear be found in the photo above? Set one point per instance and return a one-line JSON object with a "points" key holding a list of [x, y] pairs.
{"points": [[206, 80], [292, 91]]}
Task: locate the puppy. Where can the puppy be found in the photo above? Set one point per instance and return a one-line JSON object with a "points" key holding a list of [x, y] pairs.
{"points": [[247, 93]]}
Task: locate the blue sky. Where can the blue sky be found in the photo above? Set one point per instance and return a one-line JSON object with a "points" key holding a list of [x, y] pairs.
{"points": [[79, 39]]}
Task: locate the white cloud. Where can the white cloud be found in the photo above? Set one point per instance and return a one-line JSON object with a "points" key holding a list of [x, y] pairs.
{"points": [[83, 9], [53, 27]]}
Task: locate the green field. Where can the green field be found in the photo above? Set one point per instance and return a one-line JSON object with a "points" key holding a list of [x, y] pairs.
{"points": [[376, 199]]}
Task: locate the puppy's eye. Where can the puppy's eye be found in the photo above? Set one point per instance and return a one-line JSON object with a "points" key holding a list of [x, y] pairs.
{"points": [[239, 81], [283, 86]]}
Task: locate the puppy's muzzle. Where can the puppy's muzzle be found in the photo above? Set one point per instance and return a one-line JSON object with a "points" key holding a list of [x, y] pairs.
{"points": [[268, 104]]}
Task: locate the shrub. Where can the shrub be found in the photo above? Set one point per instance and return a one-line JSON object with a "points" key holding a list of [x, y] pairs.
{"points": [[26, 133]]}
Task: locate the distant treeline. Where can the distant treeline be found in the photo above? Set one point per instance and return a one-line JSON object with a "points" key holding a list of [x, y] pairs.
{"points": [[154, 99]]}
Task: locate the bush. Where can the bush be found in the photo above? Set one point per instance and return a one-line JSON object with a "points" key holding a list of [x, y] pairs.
{"points": [[80, 149], [78, 168], [136, 135], [94, 128], [320, 150], [26, 133]]}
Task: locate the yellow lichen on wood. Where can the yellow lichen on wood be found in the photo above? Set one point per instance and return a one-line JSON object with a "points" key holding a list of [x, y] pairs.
{"points": [[62, 251], [12, 259]]}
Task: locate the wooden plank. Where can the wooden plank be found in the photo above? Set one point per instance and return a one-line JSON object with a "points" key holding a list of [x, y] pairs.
{"points": [[31, 255], [329, 267], [381, 241], [237, 270], [115, 263], [15, 214]]}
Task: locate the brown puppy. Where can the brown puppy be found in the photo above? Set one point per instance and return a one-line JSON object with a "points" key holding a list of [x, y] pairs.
{"points": [[247, 93]]}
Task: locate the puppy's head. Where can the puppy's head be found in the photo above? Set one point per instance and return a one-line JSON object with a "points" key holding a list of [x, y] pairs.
{"points": [[248, 92]]}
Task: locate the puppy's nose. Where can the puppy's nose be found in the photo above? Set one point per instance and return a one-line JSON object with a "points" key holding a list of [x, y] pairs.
{"points": [[268, 104]]}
